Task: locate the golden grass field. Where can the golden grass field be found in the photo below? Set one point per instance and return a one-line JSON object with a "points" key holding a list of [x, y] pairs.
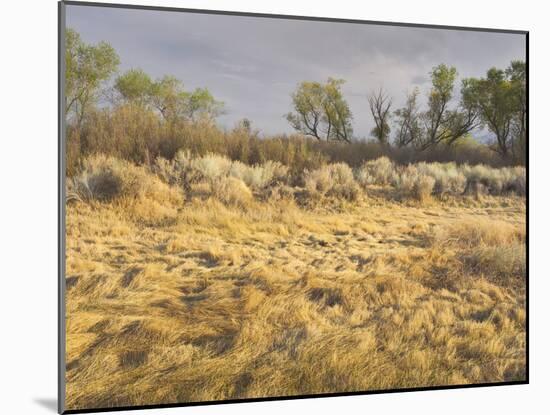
{"points": [[268, 298]]}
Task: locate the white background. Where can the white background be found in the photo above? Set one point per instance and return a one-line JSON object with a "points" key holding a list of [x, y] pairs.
{"points": [[28, 221]]}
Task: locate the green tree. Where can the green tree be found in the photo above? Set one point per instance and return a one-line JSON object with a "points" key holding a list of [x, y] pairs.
{"points": [[170, 98], [308, 117], [337, 112], [517, 75], [135, 86], [500, 100], [200, 104], [441, 122], [321, 111], [86, 68]]}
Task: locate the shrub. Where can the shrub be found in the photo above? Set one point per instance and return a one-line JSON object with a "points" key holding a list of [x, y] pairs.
{"points": [[167, 171], [380, 171], [317, 181], [474, 233], [231, 182], [410, 182], [448, 178], [423, 187], [404, 181], [349, 191], [211, 166], [130, 132], [139, 195], [488, 177], [278, 193], [135, 133], [456, 180], [487, 247], [334, 180], [515, 180], [259, 177], [232, 191], [475, 189], [507, 261], [497, 181], [340, 173], [520, 184], [186, 170], [277, 171], [105, 178]]}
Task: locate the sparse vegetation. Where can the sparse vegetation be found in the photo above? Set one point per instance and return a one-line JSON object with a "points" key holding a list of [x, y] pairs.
{"points": [[207, 301], [206, 264], [104, 178]]}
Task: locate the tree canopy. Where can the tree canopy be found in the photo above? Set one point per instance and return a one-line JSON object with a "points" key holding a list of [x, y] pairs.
{"points": [[321, 111], [442, 122], [87, 67], [135, 85], [500, 99], [167, 96]]}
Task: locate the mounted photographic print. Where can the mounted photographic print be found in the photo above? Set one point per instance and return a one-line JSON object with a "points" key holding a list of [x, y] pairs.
{"points": [[258, 207]]}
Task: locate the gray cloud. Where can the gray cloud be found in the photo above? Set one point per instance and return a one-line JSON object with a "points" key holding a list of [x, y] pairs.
{"points": [[253, 64]]}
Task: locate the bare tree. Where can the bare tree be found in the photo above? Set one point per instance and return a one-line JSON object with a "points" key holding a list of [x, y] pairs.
{"points": [[407, 120], [380, 105]]}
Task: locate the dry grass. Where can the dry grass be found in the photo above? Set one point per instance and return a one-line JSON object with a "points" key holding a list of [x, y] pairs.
{"points": [[135, 133], [230, 296]]}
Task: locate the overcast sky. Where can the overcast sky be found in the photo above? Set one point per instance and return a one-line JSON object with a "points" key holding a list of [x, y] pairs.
{"points": [[254, 64]]}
